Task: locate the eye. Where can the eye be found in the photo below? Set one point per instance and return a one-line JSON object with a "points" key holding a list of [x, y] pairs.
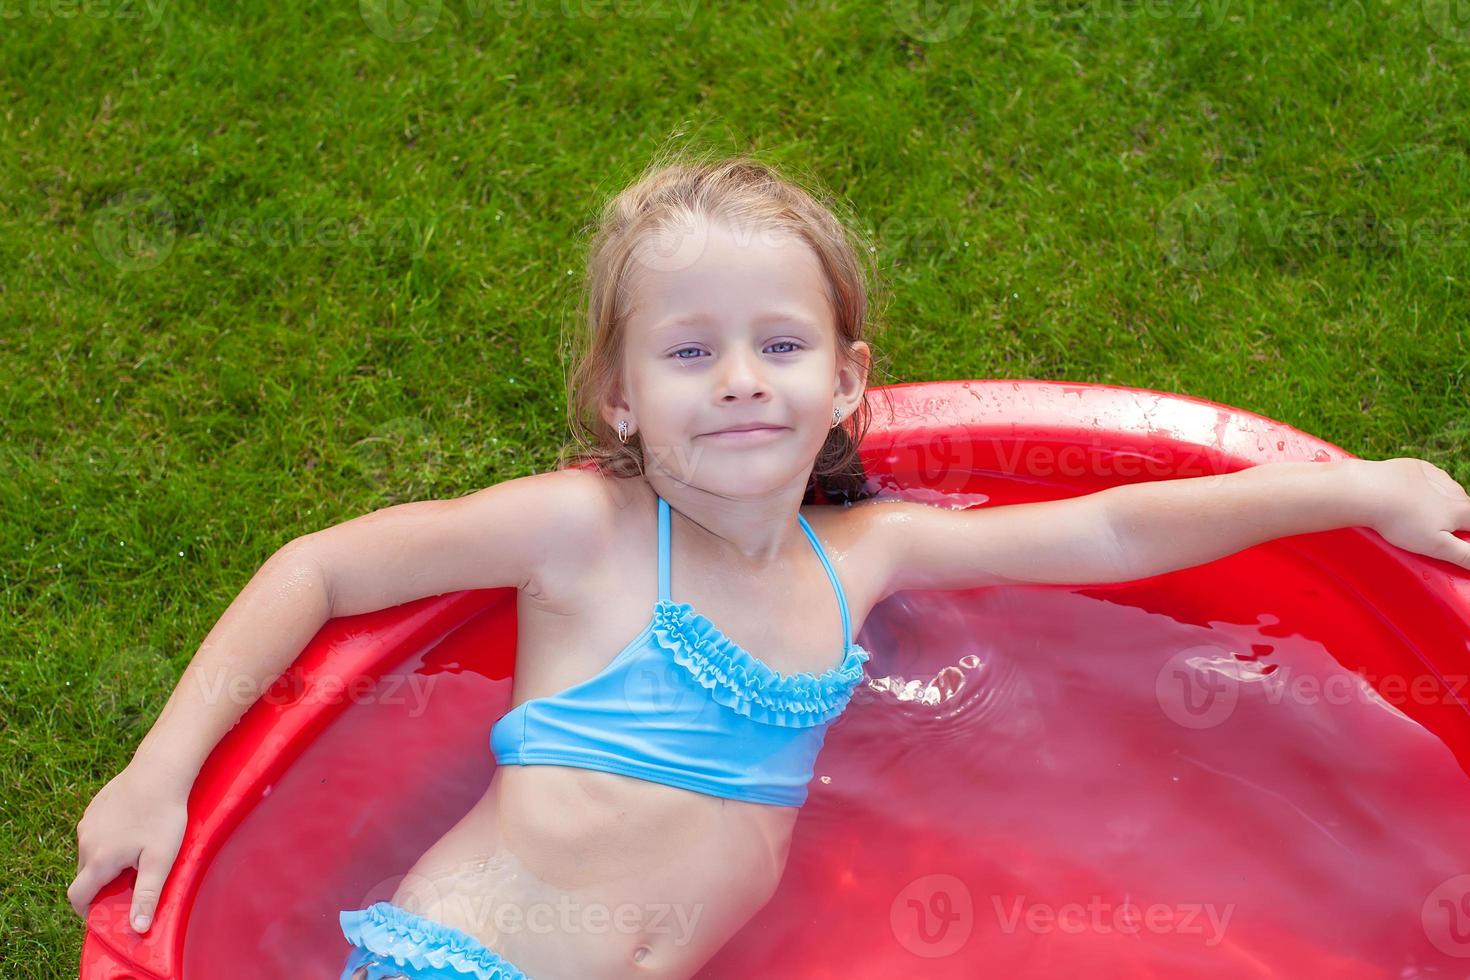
{"points": [[778, 343]]}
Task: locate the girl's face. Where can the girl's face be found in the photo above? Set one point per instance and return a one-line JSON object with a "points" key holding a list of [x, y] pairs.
{"points": [[733, 327]]}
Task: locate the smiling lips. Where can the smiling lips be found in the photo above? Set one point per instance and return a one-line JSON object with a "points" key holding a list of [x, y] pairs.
{"points": [[747, 435]]}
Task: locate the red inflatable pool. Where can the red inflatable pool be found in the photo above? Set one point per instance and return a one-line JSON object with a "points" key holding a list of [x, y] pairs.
{"points": [[1255, 767]]}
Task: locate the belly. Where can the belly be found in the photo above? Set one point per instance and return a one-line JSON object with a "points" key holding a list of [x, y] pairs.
{"points": [[577, 873]]}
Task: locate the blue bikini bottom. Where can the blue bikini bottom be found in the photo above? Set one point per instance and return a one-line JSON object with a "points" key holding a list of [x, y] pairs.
{"points": [[389, 941]]}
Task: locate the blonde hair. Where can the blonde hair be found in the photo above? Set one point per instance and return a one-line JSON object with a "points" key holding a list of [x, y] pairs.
{"points": [[674, 191]]}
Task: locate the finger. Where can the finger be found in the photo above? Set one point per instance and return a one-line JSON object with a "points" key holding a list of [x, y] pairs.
{"points": [[91, 878], [1454, 550], [75, 898], [152, 871]]}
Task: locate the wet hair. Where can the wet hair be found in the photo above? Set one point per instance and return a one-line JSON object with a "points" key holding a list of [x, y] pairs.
{"points": [[677, 189]]}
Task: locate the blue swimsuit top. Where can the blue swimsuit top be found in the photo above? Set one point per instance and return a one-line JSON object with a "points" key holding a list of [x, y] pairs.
{"points": [[682, 704]]}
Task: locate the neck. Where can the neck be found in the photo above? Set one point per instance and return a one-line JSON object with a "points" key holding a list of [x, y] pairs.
{"points": [[758, 529]]}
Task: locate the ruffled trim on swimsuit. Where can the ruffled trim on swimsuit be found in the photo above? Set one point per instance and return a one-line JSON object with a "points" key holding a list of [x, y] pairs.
{"points": [[737, 680], [410, 939]]}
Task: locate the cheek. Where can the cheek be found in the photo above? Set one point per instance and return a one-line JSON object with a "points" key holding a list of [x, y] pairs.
{"points": [[816, 395]]}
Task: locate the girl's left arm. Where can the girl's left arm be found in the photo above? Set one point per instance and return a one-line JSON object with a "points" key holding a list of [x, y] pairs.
{"points": [[1165, 525]]}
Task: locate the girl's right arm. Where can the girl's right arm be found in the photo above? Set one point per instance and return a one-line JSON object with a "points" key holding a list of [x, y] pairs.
{"points": [[518, 533], [137, 819]]}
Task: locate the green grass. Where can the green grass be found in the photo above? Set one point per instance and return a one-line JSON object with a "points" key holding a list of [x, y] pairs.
{"points": [[1259, 204]]}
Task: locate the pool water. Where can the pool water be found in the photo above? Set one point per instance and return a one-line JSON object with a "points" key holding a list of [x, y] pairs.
{"points": [[1171, 777], [1045, 782]]}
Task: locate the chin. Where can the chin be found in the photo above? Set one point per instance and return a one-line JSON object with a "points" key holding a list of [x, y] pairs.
{"points": [[736, 476]]}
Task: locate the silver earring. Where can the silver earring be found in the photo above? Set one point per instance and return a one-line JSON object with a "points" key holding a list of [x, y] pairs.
{"points": [[836, 417], [623, 431]]}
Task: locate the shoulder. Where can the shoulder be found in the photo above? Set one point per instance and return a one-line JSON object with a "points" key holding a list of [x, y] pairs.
{"points": [[579, 510], [863, 530], [577, 505], [856, 528], [857, 520]]}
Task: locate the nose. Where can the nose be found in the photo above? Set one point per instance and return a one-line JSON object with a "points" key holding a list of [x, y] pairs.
{"points": [[743, 375]]}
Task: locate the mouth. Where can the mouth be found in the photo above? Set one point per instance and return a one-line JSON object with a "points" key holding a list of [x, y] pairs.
{"points": [[762, 434]]}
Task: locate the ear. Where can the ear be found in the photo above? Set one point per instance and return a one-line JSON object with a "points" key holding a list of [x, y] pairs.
{"points": [[615, 406], [852, 375]]}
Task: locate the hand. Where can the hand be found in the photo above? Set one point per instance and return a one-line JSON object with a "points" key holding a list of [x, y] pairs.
{"points": [[136, 821], [1418, 507]]}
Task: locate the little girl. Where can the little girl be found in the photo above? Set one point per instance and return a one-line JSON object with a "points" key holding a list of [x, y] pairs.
{"points": [[659, 785], [656, 787]]}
